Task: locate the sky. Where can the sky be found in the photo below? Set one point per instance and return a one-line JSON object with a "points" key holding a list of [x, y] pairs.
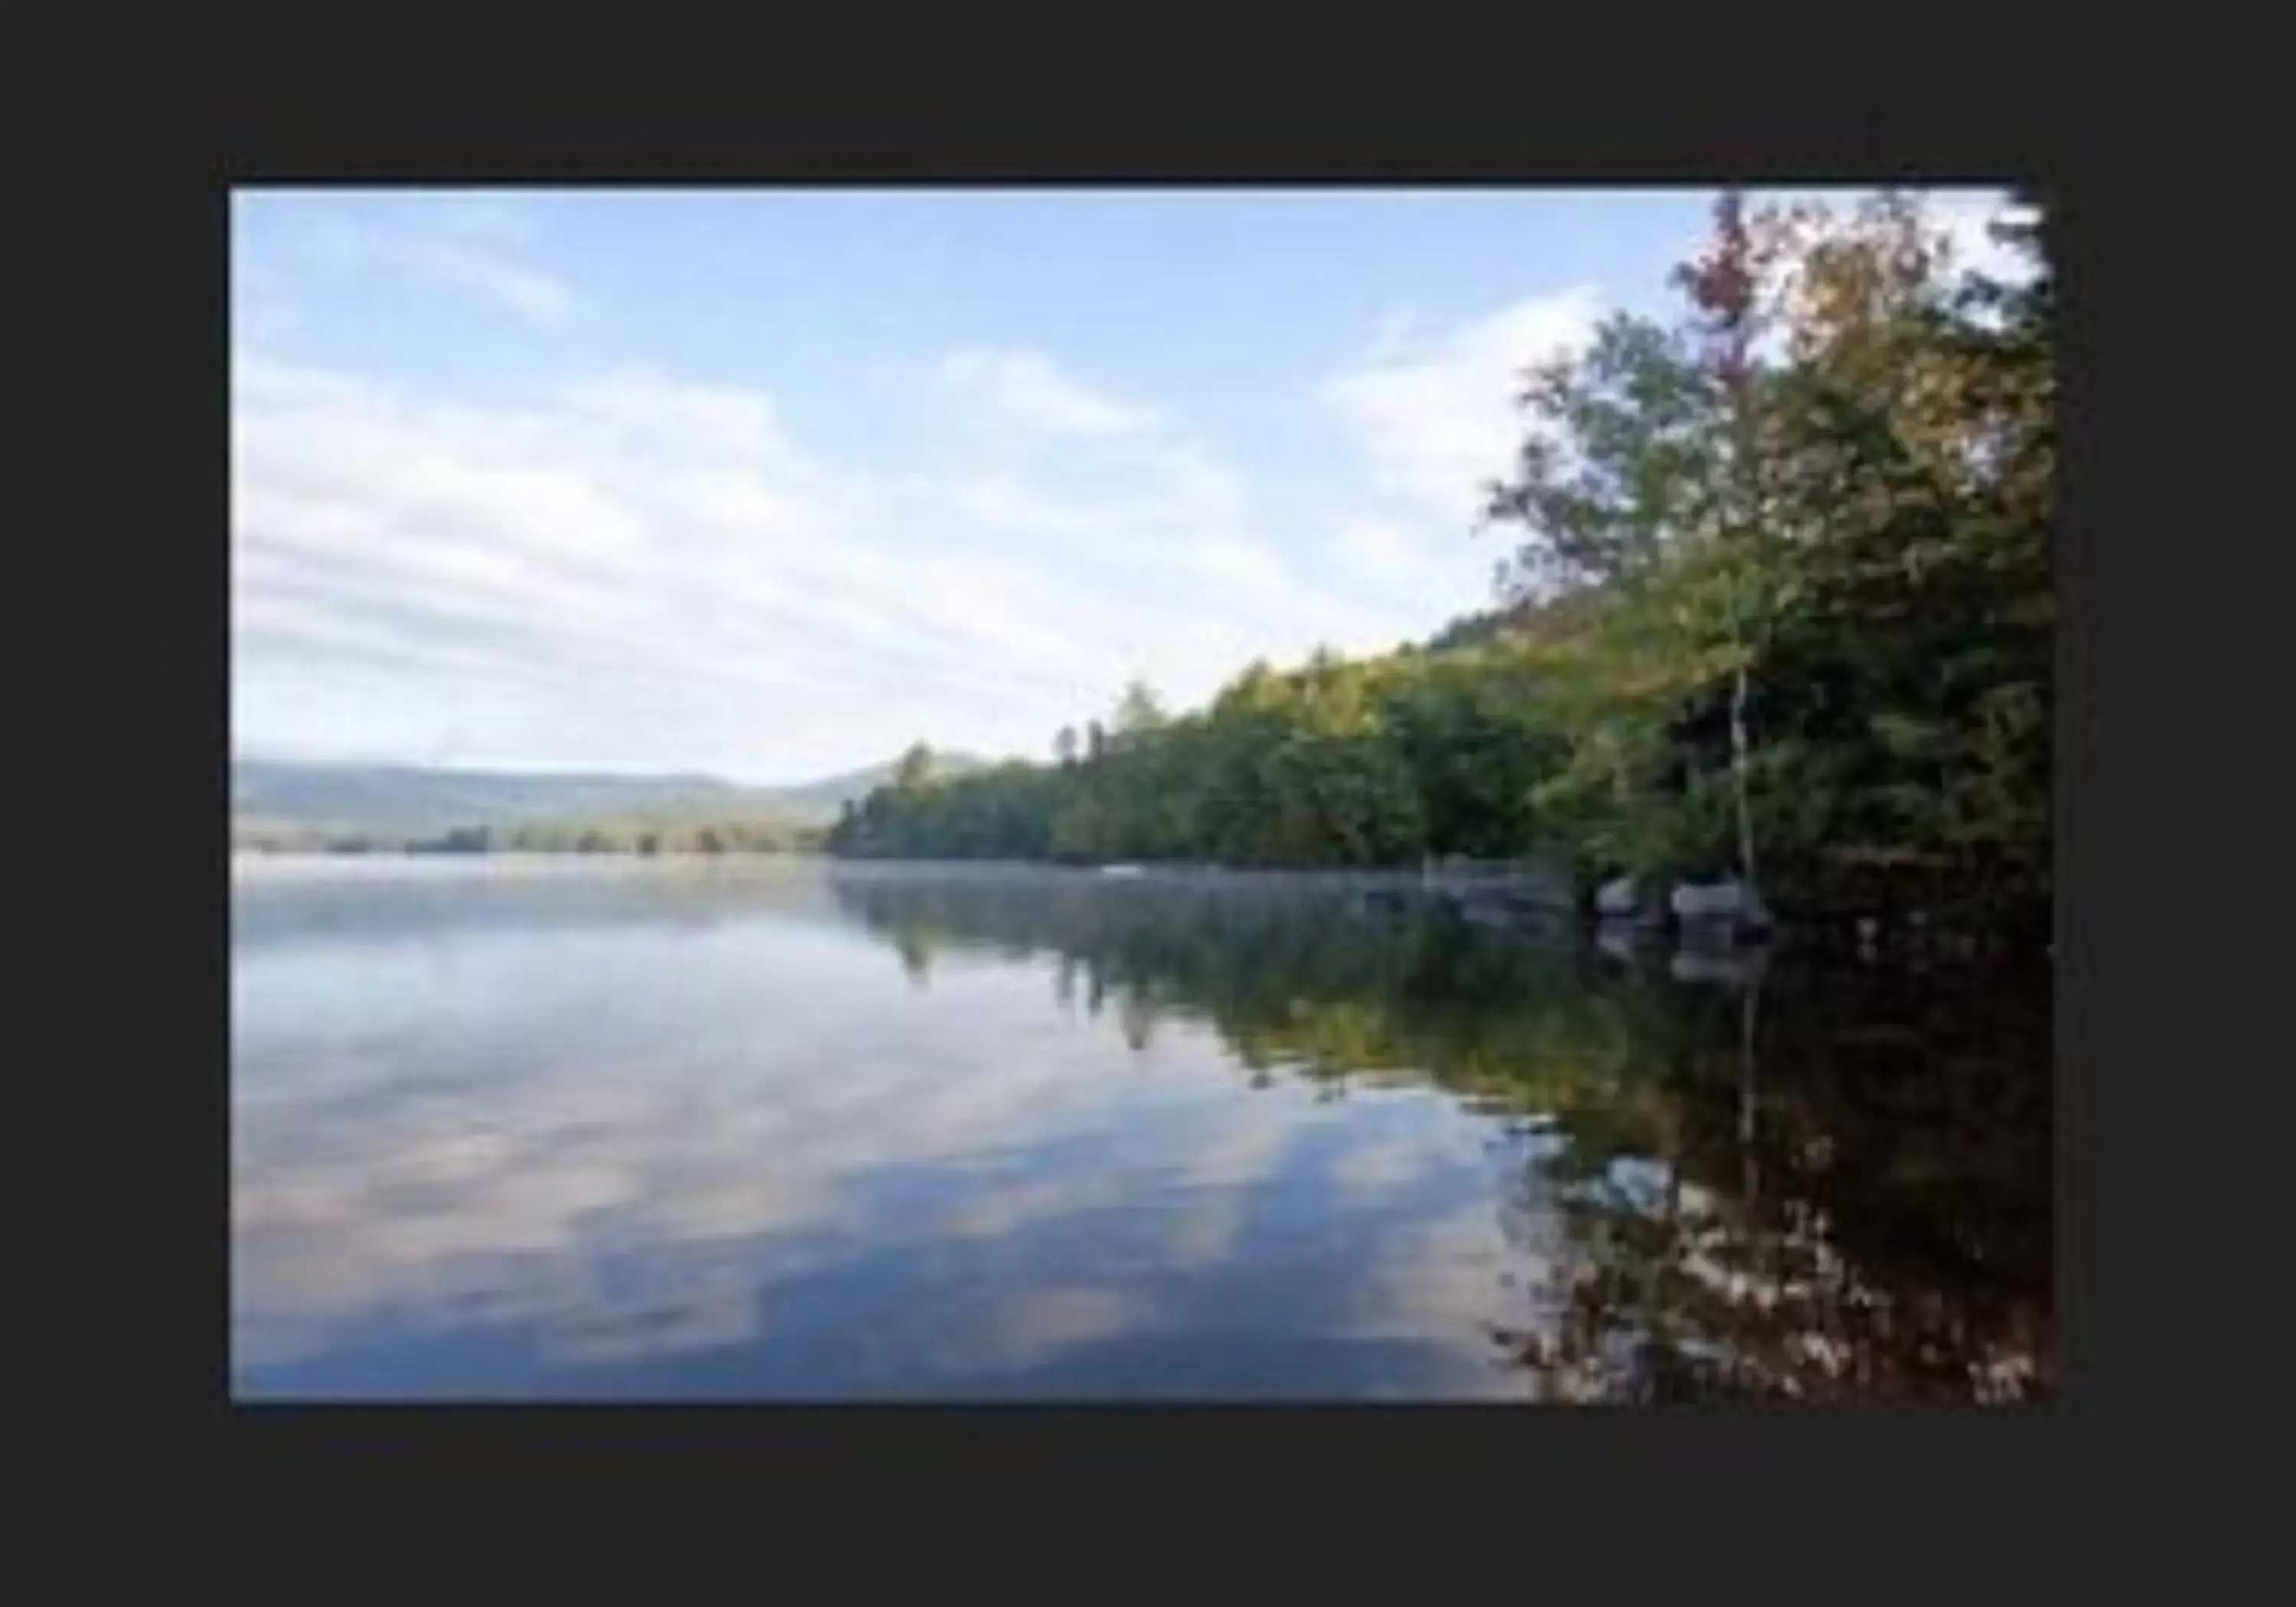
{"points": [[769, 484]]}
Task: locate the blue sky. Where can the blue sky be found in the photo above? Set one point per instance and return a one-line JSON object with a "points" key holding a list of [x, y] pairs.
{"points": [[771, 483]]}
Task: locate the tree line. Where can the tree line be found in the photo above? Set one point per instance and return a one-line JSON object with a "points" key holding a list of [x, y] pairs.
{"points": [[554, 836], [1780, 606]]}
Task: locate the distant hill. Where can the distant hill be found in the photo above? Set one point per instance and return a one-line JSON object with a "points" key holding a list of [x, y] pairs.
{"points": [[821, 799], [281, 798]]}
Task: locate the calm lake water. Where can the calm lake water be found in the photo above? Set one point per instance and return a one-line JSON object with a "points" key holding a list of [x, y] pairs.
{"points": [[622, 1128]]}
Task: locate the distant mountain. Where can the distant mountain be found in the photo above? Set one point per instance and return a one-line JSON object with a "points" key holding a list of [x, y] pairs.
{"points": [[287, 796], [414, 798]]}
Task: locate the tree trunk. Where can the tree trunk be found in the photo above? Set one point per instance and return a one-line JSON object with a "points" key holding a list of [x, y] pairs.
{"points": [[1738, 757], [1749, 1011]]}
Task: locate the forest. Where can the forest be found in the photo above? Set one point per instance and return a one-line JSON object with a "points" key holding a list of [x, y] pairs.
{"points": [[1777, 605]]}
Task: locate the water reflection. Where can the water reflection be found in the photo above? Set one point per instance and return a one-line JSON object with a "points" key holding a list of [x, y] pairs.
{"points": [[1768, 1180], [881, 1132]]}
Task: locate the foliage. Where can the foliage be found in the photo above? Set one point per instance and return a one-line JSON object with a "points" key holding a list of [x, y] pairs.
{"points": [[1785, 581]]}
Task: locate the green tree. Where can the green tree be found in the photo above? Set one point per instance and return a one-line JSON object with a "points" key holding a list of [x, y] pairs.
{"points": [[1781, 599], [914, 769], [1137, 711]]}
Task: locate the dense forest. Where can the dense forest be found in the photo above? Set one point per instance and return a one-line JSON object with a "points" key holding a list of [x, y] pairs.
{"points": [[1779, 606]]}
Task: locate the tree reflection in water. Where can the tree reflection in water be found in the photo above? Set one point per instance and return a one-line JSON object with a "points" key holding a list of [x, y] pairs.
{"points": [[1749, 1177]]}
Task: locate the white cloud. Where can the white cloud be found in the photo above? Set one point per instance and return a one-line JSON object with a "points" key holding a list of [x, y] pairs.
{"points": [[999, 1212], [1030, 1328], [1437, 1283], [357, 1189], [1435, 415], [1382, 1167], [1438, 421], [472, 246], [1965, 217], [528, 291], [638, 570], [1002, 500], [1224, 1168], [1381, 550], [1027, 388]]}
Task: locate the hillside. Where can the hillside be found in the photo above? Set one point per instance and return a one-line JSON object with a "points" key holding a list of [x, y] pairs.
{"points": [[283, 799], [819, 800]]}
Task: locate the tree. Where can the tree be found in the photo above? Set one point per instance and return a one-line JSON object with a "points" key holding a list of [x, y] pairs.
{"points": [[1782, 598], [1137, 712], [914, 769], [1064, 746], [1722, 284], [1916, 474], [1619, 439]]}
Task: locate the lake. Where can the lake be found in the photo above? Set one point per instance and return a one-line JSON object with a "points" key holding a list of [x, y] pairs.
{"points": [[617, 1128]]}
